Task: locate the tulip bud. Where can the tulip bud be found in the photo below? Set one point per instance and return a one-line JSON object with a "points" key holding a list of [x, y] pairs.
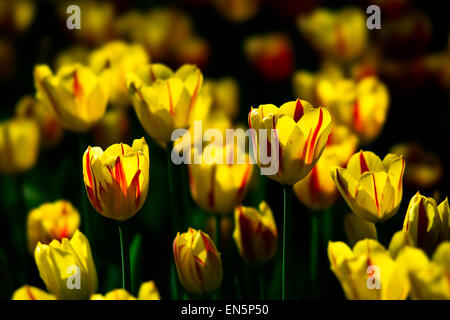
{"points": [[19, 145], [255, 233], [116, 294], [148, 291], [198, 262], [51, 221], [368, 272], [372, 188], [423, 222], [358, 229], [301, 133], [67, 267], [117, 179], [75, 94], [27, 292], [165, 100]]}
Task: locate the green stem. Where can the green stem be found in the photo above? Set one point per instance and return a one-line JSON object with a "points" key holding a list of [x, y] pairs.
{"points": [[125, 255], [287, 242], [314, 251]]}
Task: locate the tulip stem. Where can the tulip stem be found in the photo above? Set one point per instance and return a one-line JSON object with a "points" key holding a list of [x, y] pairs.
{"points": [[125, 254], [314, 251], [287, 242]]}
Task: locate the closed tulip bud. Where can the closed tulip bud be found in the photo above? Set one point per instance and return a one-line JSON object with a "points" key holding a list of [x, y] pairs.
{"points": [[19, 145], [31, 293], [372, 188], [117, 179], [318, 190], [51, 221], [217, 186], [116, 294], [302, 133], [367, 272], [358, 229], [165, 100], [114, 61], [428, 278], [423, 222], [67, 267], [198, 262], [148, 291], [255, 233], [51, 131], [400, 240], [74, 93]]}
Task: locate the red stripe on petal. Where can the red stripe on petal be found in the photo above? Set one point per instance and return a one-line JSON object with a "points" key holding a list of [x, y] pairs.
{"points": [[375, 192], [362, 163], [77, 88], [135, 182], [312, 144], [298, 110], [119, 175], [30, 293], [88, 166], [422, 225], [357, 121], [170, 99], [246, 236]]}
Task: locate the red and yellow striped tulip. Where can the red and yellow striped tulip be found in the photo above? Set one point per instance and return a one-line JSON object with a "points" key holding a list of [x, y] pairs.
{"points": [[27, 292]]}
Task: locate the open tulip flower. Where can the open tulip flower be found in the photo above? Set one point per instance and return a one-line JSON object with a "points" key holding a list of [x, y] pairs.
{"points": [[318, 190], [368, 272], [255, 233], [58, 262], [165, 100], [75, 93], [217, 186], [198, 262], [117, 179], [429, 278], [51, 221], [301, 134], [27, 292], [372, 188], [19, 145], [426, 222]]}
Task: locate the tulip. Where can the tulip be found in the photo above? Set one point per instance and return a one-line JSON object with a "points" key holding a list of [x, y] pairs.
{"points": [[318, 190], [148, 291], [338, 35], [27, 292], [19, 145], [400, 240], [444, 215], [429, 279], [74, 93], [225, 96], [372, 188], [193, 50], [198, 262], [302, 133], [426, 224], [165, 100], [217, 186], [367, 272], [51, 131], [117, 179], [51, 221], [65, 264], [114, 61], [255, 233], [358, 229], [237, 11], [117, 294]]}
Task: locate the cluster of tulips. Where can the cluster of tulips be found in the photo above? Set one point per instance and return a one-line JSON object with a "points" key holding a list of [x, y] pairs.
{"points": [[317, 133]]}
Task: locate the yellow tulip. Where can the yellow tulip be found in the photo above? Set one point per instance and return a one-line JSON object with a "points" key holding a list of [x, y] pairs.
{"points": [[429, 279], [255, 233], [215, 185], [19, 145], [426, 224], [302, 133], [198, 262], [27, 292], [367, 272], [318, 190], [117, 179], [340, 35], [165, 100], [51, 131], [399, 240], [372, 188], [67, 267], [51, 221], [225, 96], [116, 294], [358, 229], [148, 291], [74, 93], [444, 215], [114, 61]]}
